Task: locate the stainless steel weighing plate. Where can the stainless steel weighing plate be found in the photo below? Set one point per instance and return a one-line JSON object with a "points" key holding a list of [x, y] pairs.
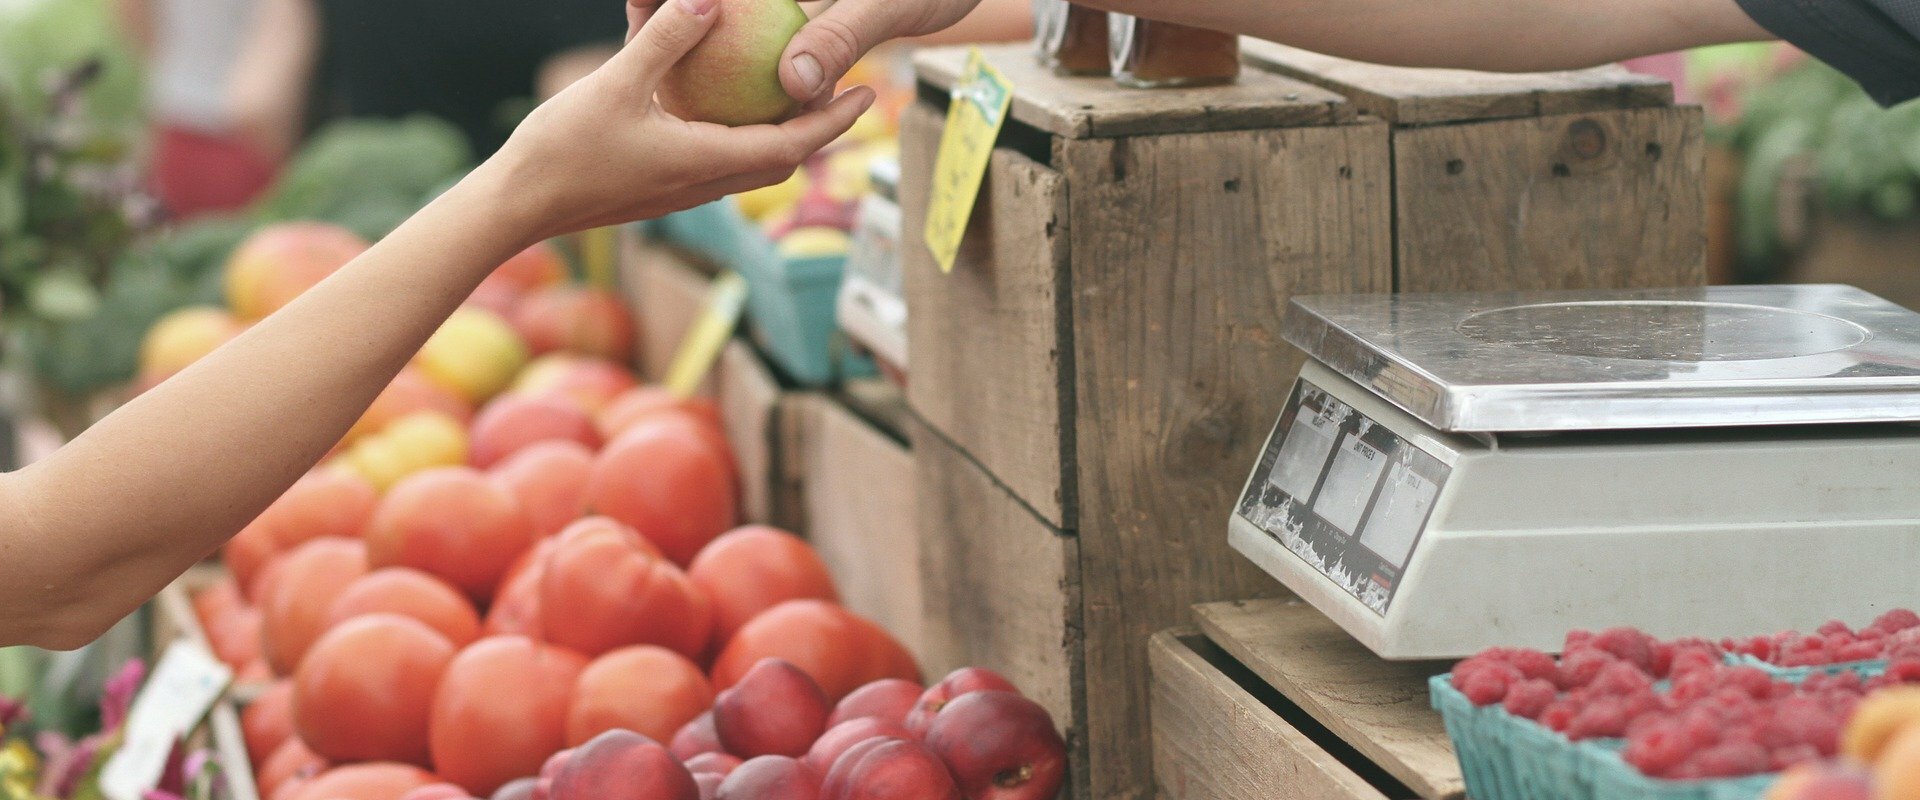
{"points": [[1580, 361]]}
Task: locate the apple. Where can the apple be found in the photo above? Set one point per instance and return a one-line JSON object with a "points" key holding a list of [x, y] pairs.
{"points": [[1000, 746], [959, 682], [732, 77]]}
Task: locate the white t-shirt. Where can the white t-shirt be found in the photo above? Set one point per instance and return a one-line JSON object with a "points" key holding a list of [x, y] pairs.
{"points": [[196, 43]]}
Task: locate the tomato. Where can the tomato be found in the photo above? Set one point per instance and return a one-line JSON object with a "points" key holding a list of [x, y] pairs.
{"points": [[501, 711], [247, 553], [516, 607], [840, 649], [312, 576], [453, 524], [514, 422], [634, 405], [410, 593], [602, 589], [267, 722], [235, 635], [755, 568], [550, 481], [327, 502], [667, 482], [365, 690], [374, 781], [218, 598], [291, 762], [649, 690]]}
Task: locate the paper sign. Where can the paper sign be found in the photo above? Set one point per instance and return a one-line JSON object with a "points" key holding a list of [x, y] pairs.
{"points": [[708, 335], [974, 119], [178, 694]]}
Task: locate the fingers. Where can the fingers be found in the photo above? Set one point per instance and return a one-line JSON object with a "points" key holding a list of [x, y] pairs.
{"points": [[822, 52], [666, 34], [785, 146]]}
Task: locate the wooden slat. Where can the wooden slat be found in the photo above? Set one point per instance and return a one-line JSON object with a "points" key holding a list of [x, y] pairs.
{"points": [[1184, 251], [1408, 96], [1081, 108], [997, 314], [859, 507], [666, 296], [1586, 201], [747, 394], [880, 402], [1212, 740], [1001, 589], [1379, 707]]}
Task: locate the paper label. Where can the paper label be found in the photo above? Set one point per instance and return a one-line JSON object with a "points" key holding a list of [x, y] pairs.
{"points": [[974, 119], [182, 688], [708, 335]]}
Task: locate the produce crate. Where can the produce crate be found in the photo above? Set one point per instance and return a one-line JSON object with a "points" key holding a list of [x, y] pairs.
{"points": [[174, 620], [1107, 352]]}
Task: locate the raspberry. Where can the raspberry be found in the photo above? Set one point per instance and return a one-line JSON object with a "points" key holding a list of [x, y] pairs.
{"points": [[1576, 639], [1487, 686], [1760, 647], [1900, 671], [1628, 644], [1658, 749], [1620, 678], [1750, 680], [1685, 661], [1603, 718], [1802, 720], [1859, 651], [1692, 650], [1834, 627], [1897, 620], [1534, 664], [1530, 698], [1582, 666], [1730, 760], [1782, 758], [1558, 714]]}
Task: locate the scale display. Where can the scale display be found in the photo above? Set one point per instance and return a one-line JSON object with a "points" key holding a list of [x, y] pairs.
{"points": [[1346, 495]]}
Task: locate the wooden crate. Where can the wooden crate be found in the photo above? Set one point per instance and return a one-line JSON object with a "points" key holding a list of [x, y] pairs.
{"points": [[1107, 355]]}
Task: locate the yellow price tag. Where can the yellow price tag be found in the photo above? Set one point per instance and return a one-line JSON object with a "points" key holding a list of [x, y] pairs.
{"points": [[708, 335], [974, 119]]}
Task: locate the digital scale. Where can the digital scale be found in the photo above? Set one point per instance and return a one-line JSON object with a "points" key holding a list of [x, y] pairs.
{"points": [[1454, 472]]}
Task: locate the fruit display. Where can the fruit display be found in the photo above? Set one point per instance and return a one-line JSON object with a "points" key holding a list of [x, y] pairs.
{"points": [[526, 577], [732, 77]]}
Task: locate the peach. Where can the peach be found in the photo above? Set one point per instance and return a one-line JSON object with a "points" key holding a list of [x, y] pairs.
{"points": [[437, 791], [276, 264], [500, 711], [326, 502], [709, 784], [770, 778], [751, 569], [418, 442], [840, 738], [451, 523], [1875, 721], [529, 269], [695, 738], [409, 393], [413, 594], [717, 763], [475, 354], [296, 607], [649, 690], [521, 789], [550, 481], [575, 319], [775, 709], [604, 588], [890, 699], [549, 772], [623, 765], [592, 383], [957, 683], [889, 769], [514, 422], [999, 746], [181, 338], [365, 690], [667, 482], [1896, 775], [732, 77]]}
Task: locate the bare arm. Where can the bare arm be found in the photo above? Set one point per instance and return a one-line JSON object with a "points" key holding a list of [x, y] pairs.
{"points": [[94, 530], [272, 74]]}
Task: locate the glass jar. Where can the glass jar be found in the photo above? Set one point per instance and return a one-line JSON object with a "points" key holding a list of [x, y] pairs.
{"points": [[1149, 54], [1075, 40]]}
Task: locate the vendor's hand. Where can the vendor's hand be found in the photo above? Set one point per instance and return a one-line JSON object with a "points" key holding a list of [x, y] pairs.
{"points": [[827, 47], [603, 152]]}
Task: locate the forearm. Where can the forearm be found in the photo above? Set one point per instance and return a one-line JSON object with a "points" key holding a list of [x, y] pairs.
{"points": [[1498, 35], [161, 483]]}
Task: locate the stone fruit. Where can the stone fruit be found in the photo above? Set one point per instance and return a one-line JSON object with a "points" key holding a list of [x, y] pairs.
{"points": [[276, 264], [325, 502], [775, 709], [709, 784], [667, 482], [645, 402], [623, 765], [181, 338], [371, 781], [575, 319], [413, 594], [290, 762], [315, 574], [732, 77], [604, 588], [414, 444], [267, 722], [717, 763], [451, 523], [474, 354], [514, 422], [235, 635], [247, 553], [529, 269], [751, 569], [365, 689], [437, 791], [840, 649], [1876, 720], [842, 737], [591, 383], [518, 789], [889, 769], [409, 393], [891, 700], [695, 738], [999, 746], [516, 607], [1823, 781], [957, 683], [550, 481], [500, 711], [770, 778], [649, 690], [1896, 773]]}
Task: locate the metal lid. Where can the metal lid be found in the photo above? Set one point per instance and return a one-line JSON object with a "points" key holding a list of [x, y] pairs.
{"points": [[1614, 360]]}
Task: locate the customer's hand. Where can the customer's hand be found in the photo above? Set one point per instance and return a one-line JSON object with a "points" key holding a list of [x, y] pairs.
{"points": [[828, 46], [603, 152]]}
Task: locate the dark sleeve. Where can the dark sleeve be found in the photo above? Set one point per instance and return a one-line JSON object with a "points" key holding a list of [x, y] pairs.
{"points": [[1872, 41], [581, 23]]}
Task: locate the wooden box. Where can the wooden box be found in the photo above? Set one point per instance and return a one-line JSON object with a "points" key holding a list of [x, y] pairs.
{"points": [[1096, 375]]}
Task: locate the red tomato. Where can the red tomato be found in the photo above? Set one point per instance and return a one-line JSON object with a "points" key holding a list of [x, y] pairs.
{"points": [[603, 589], [501, 711], [247, 553], [290, 763], [375, 781], [840, 649], [454, 524], [667, 482], [327, 502], [649, 690], [296, 607], [365, 690], [410, 593], [754, 568], [267, 722], [550, 481]]}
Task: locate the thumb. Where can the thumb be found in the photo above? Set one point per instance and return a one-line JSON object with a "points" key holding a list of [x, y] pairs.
{"points": [[822, 52], [666, 36]]}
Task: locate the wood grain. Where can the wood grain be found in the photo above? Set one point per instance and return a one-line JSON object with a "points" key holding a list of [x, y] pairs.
{"points": [[747, 393], [1410, 96], [1212, 740], [666, 295], [1184, 251], [859, 509], [1607, 200], [1379, 707], [987, 345], [1081, 108]]}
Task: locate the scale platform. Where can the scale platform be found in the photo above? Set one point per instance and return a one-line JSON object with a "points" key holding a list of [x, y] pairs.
{"points": [[1454, 472]]}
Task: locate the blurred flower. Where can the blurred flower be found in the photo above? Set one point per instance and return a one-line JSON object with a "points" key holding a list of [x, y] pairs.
{"points": [[11, 711], [117, 698]]}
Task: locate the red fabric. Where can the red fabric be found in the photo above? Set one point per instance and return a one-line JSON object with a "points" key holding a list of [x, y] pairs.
{"points": [[198, 173]]}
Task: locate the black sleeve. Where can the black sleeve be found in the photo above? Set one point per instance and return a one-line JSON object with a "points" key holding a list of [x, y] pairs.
{"points": [[580, 23], [1873, 41]]}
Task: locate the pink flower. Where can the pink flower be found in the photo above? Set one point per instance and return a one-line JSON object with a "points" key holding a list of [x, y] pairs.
{"points": [[117, 697], [11, 711]]}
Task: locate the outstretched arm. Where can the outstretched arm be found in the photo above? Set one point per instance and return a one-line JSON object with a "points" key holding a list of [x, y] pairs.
{"points": [[94, 530]]}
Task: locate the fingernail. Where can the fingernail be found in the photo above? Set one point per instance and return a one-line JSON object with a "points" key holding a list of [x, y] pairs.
{"points": [[698, 8], [808, 68]]}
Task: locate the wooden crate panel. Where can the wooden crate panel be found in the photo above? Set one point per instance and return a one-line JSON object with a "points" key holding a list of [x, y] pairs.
{"points": [[666, 295], [1379, 707], [859, 510], [1605, 200], [1213, 740], [748, 396]]}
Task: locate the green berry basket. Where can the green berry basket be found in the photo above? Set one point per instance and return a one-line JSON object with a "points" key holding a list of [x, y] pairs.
{"points": [[1866, 669], [1505, 757], [1615, 779]]}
